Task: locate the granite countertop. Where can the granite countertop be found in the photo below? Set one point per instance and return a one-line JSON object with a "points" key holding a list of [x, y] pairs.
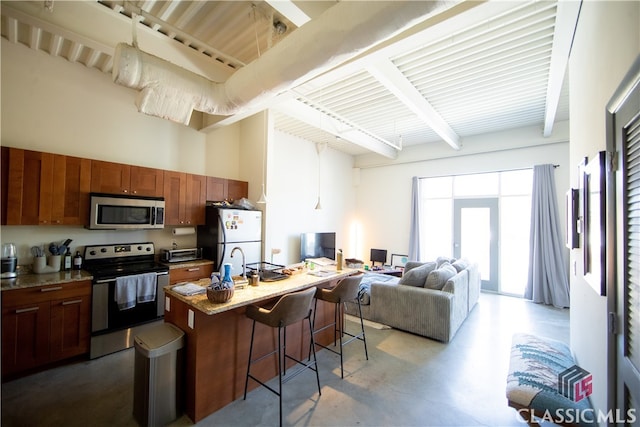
{"points": [[34, 280], [183, 264], [252, 294]]}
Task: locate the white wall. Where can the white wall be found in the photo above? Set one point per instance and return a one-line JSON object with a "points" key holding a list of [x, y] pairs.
{"points": [[292, 193], [51, 105], [607, 42]]}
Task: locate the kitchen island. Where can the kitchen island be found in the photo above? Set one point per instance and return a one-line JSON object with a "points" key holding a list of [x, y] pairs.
{"points": [[217, 338]]}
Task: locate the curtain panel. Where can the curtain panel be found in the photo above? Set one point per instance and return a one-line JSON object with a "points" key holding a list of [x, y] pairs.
{"points": [[547, 280], [414, 226]]}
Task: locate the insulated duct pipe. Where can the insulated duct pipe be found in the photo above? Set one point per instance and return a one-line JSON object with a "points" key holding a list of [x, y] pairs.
{"points": [[338, 35]]}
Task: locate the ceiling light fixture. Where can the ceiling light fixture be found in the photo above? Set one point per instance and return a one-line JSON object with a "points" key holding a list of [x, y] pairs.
{"points": [[320, 146], [263, 197]]}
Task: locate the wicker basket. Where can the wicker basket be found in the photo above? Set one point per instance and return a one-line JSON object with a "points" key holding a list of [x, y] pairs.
{"points": [[219, 296]]}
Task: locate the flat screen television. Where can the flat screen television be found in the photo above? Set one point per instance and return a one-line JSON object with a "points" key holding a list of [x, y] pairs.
{"points": [[317, 245]]}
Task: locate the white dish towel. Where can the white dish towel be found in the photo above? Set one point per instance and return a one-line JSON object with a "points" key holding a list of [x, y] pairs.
{"points": [[146, 287], [125, 292]]}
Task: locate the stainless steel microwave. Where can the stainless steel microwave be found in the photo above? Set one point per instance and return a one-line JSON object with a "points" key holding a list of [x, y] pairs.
{"points": [[125, 212]]}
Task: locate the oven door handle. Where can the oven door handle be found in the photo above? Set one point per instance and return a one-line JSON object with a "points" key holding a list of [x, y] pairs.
{"points": [[160, 273]]}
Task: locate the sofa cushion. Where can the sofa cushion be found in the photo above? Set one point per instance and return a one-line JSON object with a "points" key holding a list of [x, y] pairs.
{"points": [[460, 264], [417, 275], [437, 278], [442, 260]]}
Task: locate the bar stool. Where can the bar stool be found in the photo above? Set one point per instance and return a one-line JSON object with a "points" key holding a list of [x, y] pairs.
{"points": [[346, 290], [289, 309]]}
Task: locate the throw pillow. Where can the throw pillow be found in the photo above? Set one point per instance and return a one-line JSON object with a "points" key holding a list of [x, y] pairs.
{"points": [[442, 259], [416, 276], [437, 278], [460, 265]]}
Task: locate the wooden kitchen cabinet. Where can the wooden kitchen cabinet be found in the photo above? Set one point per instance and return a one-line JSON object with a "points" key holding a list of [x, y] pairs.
{"points": [[196, 199], [44, 324], [25, 336], [193, 272], [118, 178], [216, 189], [71, 185], [219, 189], [45, 188], [185, 196], [237, 189]]}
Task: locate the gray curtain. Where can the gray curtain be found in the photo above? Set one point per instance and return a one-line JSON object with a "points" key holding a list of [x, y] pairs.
{"points": [[547, 280], [414, 229]]}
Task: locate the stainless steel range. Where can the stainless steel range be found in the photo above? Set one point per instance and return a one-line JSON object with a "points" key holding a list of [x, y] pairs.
{"points": [[128, 294]]}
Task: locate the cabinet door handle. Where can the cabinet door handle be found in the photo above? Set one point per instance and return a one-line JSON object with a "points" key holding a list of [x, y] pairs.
{"points": [[26, 310], [57, 288], [194, 269], [75, 301]]}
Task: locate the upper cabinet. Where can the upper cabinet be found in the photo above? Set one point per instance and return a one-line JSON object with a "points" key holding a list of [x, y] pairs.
{"points": [[44, 188], [40, 188], [117, 178], [237, 189], [219, 189], [185, 196]]}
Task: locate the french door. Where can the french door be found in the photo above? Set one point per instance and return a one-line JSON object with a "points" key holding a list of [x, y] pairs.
{"points": [[476, 236]]}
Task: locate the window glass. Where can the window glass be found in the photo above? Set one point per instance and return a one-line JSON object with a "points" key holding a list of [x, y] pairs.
{"points": [[515, 224], [514, 183], [436, 187], [484, 184], [437, 229]]}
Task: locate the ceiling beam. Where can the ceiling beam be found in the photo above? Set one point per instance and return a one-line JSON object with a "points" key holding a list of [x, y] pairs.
{"points": [[566, 21], [390, 77], [316, 118]]}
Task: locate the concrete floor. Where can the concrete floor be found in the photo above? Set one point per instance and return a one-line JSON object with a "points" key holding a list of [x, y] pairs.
{"points": [[407, 381]]}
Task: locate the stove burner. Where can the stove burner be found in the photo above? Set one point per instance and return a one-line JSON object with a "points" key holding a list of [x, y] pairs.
{"points": [[113, 261]]}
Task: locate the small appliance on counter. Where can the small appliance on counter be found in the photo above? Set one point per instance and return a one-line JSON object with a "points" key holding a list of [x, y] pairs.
{"points": [[9, 261], [180, 255]]}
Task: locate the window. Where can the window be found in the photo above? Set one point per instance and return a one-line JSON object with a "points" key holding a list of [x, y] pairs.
{"points": [[512, 189]]}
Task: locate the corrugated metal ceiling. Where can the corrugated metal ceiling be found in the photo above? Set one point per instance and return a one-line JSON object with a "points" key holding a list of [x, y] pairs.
{"points": [[487, 76]]}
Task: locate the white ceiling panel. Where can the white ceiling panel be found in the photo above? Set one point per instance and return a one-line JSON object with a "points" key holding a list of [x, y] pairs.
{"points": [[449, 80]]}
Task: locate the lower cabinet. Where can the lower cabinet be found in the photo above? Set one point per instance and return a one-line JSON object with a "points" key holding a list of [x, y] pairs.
{"points": [[193, 272], [44, 324]]}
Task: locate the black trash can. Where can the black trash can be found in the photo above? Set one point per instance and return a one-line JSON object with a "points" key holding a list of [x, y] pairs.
{"points": [[157, 381]]}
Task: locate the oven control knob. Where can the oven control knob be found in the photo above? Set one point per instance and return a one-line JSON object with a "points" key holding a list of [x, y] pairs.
{"points": [[148, 249], [92, 253], [103, 250]]}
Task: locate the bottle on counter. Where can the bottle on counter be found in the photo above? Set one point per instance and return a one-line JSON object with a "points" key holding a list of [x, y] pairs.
{"points": [[67, 260], [339, 260], [77, 261]]}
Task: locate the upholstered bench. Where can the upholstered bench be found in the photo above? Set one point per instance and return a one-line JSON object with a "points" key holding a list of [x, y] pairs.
{"points": [[544, 382]]}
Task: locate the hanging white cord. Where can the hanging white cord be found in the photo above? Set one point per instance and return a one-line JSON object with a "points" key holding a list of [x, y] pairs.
{"points": [[134, 29], [255, 29]]}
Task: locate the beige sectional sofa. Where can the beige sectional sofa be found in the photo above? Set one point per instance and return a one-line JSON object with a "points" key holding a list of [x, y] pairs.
{"points": [[431, 299]]}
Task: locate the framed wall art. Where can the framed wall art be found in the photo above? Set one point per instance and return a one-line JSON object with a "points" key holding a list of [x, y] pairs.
{"points": [[573, 214], [594, 229]]}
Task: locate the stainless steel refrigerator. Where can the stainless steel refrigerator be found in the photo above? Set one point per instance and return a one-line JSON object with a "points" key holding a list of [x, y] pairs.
{"points": [[226, 229]]}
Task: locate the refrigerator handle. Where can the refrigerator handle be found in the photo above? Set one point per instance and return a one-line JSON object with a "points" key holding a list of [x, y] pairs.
{"points": [[224, 241]]}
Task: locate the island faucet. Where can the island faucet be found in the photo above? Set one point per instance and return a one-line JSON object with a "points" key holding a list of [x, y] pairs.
{"points": [[244, 263]]}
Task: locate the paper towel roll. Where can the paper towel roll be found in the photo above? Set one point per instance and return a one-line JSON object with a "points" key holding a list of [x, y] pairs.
{"points": [[184, 231]]}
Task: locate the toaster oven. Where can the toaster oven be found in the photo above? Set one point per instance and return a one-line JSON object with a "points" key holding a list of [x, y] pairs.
{"points": [[180, 255]]}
